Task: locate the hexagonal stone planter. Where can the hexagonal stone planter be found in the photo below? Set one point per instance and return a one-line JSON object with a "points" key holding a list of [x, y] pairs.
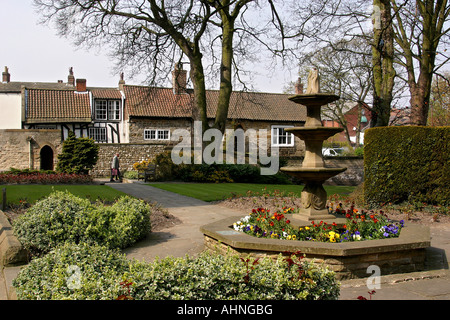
{"points": [[348, 259]]}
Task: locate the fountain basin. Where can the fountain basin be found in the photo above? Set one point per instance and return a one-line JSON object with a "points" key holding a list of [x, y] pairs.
{"points": [[312, 174], [314, 99], [349, 260], [314, 133]]}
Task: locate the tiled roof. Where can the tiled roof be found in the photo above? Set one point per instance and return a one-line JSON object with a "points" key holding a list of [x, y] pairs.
{"points": [[157, 102], [16, 86], [57, 106], [162, 102], [105, 93], [258, 106]]}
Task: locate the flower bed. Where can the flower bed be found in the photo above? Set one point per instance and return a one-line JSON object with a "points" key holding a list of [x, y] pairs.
{"points": [[15, 176], [358, 226]]}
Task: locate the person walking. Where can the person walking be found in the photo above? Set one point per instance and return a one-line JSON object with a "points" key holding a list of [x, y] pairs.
{"points": [[115, 172]]}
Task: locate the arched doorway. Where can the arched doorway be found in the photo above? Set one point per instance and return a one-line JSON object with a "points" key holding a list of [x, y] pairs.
{"points": [[46, 158]]}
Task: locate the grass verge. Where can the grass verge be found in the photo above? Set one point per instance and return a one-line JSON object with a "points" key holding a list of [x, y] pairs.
{"points": [[219, 191]]}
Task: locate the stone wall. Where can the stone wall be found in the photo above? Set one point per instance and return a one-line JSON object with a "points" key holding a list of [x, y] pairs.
{"points": [[20, 148], [129, 153]]}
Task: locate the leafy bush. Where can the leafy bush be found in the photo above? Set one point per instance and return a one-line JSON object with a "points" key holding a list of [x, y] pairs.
{"points": [[130, 174], [407, 164], [63, 217], [79, 155], [100, 273], [72, 272]]}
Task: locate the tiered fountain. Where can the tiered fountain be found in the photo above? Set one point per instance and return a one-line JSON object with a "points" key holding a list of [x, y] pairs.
{"points": [[348, 259], [313, 171]]}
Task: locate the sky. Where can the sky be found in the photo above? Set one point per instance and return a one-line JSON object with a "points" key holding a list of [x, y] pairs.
{"points": [[34, 52]]}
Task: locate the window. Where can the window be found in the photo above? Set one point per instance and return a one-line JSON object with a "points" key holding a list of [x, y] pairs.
{"points": [[281, 138], [156, 134], [114, 110], [98, 134], [107, 110], [100, 110]]}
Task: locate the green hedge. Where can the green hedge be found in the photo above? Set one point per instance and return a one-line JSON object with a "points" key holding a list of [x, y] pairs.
{"points": [[63, 217], [86, 272], [407, 164]]}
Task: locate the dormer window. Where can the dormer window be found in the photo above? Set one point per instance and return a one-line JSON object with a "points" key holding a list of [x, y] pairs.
{"points": [[107, 110]]}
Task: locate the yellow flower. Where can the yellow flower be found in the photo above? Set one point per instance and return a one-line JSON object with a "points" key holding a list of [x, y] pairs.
{"points": [[301, 229], [306, 228], [294, 237]]}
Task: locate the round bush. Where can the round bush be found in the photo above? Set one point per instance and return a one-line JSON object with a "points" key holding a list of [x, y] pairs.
{"points": [[63, 217], [76, 272], [119, 225], [60, 217]]}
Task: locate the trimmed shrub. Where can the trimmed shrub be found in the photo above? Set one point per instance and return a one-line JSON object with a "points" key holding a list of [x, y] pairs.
{"points": [[407, 164], [75, 272], [79, 155], [212, 276], [84, 272], [63, 217]]}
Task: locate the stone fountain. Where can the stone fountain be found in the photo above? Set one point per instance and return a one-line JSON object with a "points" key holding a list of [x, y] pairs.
{"points": [[313, 171], [347, 259]]}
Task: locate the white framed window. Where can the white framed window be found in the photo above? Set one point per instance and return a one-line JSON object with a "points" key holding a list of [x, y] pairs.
{"points": [[281, 138], [101, 110], [113, 110], [107, 110], [98, 134], [156, 134]]}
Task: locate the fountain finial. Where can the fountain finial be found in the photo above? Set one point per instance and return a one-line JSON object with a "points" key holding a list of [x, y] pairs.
{"points": [[313, 81]]}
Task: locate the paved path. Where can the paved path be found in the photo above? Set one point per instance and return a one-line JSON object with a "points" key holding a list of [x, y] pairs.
{"points": [[186, 238]]}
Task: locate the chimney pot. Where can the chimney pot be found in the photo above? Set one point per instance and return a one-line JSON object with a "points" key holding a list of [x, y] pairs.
{"points": [[299, 86], [71, 78], [179, 79], [81, 85], [6, 77], [121, 82]]}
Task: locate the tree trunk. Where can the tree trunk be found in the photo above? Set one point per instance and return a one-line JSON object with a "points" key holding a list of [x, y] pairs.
{"points": [[383, 65], [226, 86]]}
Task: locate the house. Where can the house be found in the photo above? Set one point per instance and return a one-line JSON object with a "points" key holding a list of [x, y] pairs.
{"points": [[356, 123], [136, 121]]}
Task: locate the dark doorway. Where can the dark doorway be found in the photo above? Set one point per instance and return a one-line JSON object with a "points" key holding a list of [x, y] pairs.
{"points": [[46, 158]]}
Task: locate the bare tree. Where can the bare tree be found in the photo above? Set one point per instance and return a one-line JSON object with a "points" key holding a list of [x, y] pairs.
{"points": [[422, 35], [152, 36], [346, 70]]}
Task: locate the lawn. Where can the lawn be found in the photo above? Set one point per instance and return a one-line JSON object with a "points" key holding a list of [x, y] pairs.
{"points": [[32, 193], [220, 191]]}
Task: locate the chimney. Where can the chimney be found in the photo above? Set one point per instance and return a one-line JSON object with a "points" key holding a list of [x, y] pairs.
{"points": [[81, 85], [179, 79], [121, 82], [299, 86], [6, 76], [71, 78]]}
